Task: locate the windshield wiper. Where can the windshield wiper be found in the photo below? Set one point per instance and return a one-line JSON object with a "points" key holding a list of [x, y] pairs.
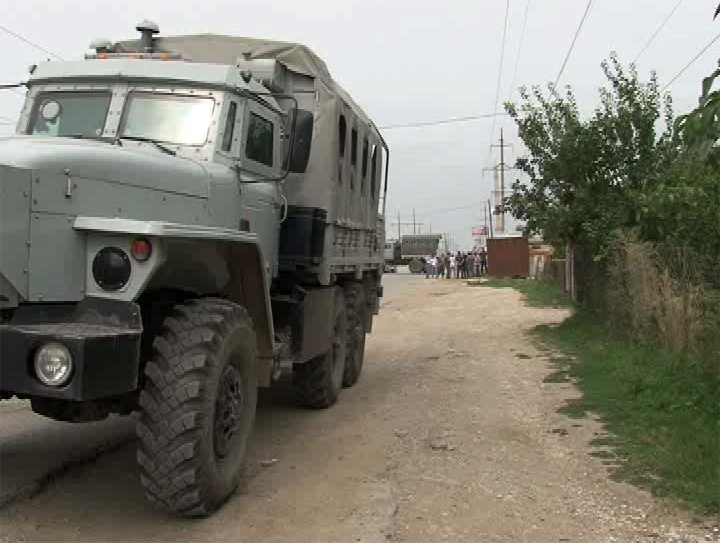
{"points": [[89, 137], [157, 144]]}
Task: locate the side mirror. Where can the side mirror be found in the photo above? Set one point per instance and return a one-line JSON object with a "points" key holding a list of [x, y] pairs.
{"points": [[299, 154]]}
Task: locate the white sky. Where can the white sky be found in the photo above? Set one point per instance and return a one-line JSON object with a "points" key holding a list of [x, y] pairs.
{"points": [[406, 61]]}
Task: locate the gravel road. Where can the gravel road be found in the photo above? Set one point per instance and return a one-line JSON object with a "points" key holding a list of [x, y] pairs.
{"points": [[450, 435]]}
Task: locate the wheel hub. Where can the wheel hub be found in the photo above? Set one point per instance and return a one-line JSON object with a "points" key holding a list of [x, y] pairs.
{"points": [[228, 411]]}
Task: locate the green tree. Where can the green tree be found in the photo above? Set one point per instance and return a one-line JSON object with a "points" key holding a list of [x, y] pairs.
{"points": [[586, 176], [683, 206], [699, 130]]}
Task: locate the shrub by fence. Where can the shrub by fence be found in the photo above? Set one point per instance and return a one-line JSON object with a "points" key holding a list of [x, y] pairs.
{"points": [[661, 294]]}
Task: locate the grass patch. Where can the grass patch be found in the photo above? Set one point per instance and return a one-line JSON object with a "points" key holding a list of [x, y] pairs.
{"points": [[538, 293], [662, 409]]}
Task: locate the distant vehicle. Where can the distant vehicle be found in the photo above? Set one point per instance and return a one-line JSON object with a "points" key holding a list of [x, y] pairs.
{"points": [[416, 247], [392, 255], [175, 232]]}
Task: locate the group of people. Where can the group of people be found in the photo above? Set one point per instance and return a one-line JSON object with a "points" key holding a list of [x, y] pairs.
{"points": [[460, 266]]}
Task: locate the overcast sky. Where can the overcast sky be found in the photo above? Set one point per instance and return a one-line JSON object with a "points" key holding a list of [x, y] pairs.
{"points": [[405, 61]]}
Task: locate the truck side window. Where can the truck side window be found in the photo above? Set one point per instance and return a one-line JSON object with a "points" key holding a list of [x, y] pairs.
{"points": [[364, 164], [373, 171], [342, 134], [229, 128], [259, 144], [353, 157], [353, 148]]}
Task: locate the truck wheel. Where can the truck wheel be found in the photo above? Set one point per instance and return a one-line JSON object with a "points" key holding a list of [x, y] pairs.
{"points": [[355, 309], [197, 407], [318, 382]]}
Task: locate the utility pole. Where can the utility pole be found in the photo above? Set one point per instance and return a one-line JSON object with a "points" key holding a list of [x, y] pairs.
{"points": [[501, 196], [400, 224], [499, 192], [492, 235]]}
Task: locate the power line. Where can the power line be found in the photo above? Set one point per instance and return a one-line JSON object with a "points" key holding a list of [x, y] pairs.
{"points": [[450, 209], [12, 87], [442, 121], [32, 44], [502, 58], [658, 30], [572, 45], [517, 59], [716, 38]]}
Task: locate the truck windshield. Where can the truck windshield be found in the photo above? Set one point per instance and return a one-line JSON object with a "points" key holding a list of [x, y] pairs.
{"points": [[181, 120], [70, 113]]}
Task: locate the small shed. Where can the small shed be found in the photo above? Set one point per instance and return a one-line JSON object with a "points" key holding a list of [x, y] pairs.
{"points": [[509, 257]]}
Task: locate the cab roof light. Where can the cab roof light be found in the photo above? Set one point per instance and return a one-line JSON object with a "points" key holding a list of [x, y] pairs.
{"points": [[148, 56]]}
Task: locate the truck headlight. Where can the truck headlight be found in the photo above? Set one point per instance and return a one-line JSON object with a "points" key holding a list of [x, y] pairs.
{"points": [[111, 268], [53, 364]]}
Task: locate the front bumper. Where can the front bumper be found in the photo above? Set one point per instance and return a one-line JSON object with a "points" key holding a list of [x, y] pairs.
{"points": [[103, 337]]}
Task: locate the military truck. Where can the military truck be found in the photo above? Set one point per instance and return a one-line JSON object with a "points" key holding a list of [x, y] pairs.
{"points": [[392, 255], [183, 220], [415, 249]]}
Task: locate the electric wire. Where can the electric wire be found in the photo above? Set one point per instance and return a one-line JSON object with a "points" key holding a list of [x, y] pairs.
{"points": [[451, 209], [449, 120], [658, 30], [27, 41], [497, 91], [517, 59], [572, 45], [692, 61]]}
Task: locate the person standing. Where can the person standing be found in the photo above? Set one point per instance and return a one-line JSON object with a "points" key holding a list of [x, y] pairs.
{"points": [[483, 261], [427, 266], [433, 267], [441, 266], [476, 264], [451, 268]]}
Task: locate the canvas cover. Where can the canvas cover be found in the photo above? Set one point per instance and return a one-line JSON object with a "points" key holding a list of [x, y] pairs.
{"points": [[319, 186], [221, 49]]}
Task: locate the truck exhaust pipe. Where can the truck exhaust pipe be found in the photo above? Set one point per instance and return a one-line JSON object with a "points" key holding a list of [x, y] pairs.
{"points": [[147, 29]]}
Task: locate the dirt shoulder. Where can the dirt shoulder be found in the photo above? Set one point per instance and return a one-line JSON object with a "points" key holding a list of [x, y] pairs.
{"points": [[450, 435]]}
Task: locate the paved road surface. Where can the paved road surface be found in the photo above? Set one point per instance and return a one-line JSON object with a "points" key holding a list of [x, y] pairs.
{"points": [[450, 435]]}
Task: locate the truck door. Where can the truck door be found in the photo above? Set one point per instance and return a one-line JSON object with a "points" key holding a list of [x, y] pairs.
{"points": [[261, 152]]}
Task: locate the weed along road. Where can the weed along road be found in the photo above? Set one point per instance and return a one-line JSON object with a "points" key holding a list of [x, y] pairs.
{"points": [[452, 434]]}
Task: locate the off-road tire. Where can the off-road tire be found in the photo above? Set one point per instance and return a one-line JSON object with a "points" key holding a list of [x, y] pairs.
{"points": [[356, 314], [318, 382], [204, 356]]}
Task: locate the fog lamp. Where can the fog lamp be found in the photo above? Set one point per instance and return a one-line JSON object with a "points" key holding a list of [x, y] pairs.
{"points": [[53, 364]]}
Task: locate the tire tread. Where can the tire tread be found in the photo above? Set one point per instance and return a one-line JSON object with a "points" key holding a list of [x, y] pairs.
{"points": [[171, 470]]}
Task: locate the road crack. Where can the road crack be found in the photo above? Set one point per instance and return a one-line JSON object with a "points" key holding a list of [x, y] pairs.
{"points": [[34, 488]]}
